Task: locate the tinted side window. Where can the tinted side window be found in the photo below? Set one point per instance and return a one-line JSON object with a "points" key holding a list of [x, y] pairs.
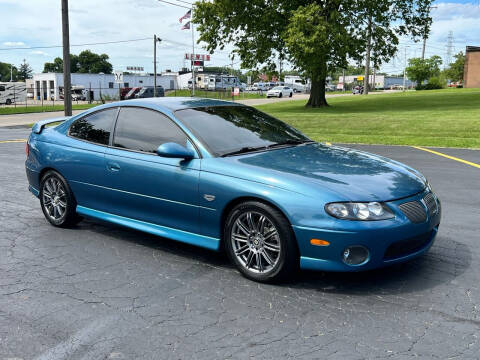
{"points": [[145, 130], [96, 127]]}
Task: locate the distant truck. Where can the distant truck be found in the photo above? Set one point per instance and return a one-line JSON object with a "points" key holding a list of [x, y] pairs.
{"points": [[12, 92]]}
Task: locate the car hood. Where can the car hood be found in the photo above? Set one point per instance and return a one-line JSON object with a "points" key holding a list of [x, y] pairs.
{"points": [[313, 169]]}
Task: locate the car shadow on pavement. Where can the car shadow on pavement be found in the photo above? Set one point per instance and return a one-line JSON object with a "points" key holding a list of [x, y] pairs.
{"points": [[446, 260]]}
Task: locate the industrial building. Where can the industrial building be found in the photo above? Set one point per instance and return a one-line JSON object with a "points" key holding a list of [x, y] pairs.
{"points": [[381, 81], [48, 86], [471, 73]]}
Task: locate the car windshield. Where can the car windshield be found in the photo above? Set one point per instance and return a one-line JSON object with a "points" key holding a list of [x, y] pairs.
{"points": [[277, 88], [234, 129]]}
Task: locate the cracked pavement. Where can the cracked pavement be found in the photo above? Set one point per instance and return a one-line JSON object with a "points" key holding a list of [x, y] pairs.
{"points": [[99, 291]]}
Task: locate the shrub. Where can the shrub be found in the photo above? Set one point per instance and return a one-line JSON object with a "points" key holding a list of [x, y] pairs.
{"points": [[433, 83]]}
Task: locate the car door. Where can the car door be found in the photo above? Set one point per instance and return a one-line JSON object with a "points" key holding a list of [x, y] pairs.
{"points": [[82, 160], [145, 186]]}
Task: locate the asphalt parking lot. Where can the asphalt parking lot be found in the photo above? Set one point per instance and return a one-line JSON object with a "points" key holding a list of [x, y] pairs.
{"points": [[104, 292]]}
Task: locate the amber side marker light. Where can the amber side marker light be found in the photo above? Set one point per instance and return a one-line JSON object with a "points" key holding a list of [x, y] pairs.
{"points": [[319, 242]]}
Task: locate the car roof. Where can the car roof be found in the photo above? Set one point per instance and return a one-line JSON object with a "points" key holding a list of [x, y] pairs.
{"points": [[174, 103]]}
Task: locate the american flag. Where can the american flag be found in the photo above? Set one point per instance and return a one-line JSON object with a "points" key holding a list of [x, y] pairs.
{"points": [[188, 15], [186, 26]]}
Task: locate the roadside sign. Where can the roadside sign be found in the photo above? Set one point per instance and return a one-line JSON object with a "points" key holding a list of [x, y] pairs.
{"points": [[118, 77], [202, 57], [236, 91], [359, 78]]}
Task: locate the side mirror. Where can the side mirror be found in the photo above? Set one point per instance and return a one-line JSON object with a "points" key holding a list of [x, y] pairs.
{"points": [[174, 150]]}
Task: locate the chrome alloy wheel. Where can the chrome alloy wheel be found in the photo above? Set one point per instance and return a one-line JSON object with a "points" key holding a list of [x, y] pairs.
{"points": [[255, 242], [54, 198]]}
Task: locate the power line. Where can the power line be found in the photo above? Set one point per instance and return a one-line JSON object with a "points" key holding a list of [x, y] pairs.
{"points": [[168, 2], [86, 44]]}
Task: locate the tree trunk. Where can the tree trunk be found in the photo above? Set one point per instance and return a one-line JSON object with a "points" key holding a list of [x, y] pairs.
{"points": [[317, 94]]}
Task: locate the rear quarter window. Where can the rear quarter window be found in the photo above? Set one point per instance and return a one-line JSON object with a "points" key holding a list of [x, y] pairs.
{"points": [[96, 127]]}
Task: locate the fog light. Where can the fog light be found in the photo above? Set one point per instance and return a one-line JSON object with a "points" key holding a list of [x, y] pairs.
{"points": [[355, 255]]}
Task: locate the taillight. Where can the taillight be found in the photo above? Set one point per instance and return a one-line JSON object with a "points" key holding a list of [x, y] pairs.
{"points": [[27, 149]]}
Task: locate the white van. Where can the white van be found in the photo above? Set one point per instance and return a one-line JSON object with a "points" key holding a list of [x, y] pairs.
{"points": [[12, 92]]}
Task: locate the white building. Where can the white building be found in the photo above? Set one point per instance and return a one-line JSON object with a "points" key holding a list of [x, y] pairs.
{"points": [[48, 85], [381, 81]]}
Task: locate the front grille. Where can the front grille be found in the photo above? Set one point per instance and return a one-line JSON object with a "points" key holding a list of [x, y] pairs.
{"points": [[431, 203], [406, 247], [414, 211]]}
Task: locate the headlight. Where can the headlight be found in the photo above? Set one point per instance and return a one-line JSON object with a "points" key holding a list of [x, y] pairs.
{"points": [[359, 211]]}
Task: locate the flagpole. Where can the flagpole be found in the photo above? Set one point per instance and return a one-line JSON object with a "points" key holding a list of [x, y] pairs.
{"points": [[193, 50]]}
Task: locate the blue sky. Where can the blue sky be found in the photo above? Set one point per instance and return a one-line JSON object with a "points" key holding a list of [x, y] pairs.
{"points": [[31, 23]]}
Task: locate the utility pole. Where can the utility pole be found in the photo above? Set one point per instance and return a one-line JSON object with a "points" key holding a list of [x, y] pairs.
{"points": [[343, 80], [11, 72], [367, 58], [449, 49], [67, 84], [155, 39], [193, 50], [425, 36]]}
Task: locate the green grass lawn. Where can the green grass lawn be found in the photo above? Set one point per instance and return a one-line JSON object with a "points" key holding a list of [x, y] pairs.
{"points": [[445, 118], [225, 95], [35, 109]]}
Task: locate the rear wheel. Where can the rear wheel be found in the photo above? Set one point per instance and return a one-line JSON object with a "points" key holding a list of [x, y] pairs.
{"points": [[260, 242], [8, 102], [57, 200], [291, 94], [280, 95]]}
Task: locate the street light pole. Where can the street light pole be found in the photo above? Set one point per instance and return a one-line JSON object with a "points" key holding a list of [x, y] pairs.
{"points": [[155, 39], [67, 85]]}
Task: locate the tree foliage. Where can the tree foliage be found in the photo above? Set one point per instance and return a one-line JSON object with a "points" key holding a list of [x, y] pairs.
{"points": [[85, 62], [419, 69], [5, 72], [24, 71], [455, 71], [315, 36]]}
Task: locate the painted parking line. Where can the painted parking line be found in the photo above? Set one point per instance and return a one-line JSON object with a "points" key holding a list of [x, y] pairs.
{"points": [[13, 141], [447, 156]]}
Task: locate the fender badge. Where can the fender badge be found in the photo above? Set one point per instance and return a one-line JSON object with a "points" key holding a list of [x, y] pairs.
{"points": [[209, 197]]}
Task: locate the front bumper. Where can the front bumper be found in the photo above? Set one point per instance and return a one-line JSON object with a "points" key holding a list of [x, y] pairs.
{"points": [[388, 241]]}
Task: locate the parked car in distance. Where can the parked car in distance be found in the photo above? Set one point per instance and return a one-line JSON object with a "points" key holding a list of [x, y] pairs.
{"points": [[357, 90], [219, 174], [123, 92], [280, 91], [147, 92], [131, 94]]}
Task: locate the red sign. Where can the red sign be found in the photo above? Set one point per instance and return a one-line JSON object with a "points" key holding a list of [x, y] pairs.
{"points": [[202, 57]]}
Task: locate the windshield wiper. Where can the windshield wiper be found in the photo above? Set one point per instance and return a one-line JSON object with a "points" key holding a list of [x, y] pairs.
{"points": [[244, 150], [290, 142]]}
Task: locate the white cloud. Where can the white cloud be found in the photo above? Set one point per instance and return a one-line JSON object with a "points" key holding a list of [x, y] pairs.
{"points": [[14, 43], [39, 52]]}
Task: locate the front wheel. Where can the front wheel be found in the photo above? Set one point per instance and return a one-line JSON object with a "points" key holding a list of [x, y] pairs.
{"points": [[57, 200], [291, 94], [280, 95], [8, 102], [260, 242]]}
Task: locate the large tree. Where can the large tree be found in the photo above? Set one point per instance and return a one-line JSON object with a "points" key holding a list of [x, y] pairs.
{"points": [[85, 62], [419, 69], [315, 36]]}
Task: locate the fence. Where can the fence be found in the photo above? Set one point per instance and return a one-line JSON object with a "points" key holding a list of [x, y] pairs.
{"points": [[52, 98]]}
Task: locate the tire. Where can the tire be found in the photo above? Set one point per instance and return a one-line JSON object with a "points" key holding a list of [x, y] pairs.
{"points": [[291, 94], [54, 189], [280, 95], [263, 251], [8, 102]]}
